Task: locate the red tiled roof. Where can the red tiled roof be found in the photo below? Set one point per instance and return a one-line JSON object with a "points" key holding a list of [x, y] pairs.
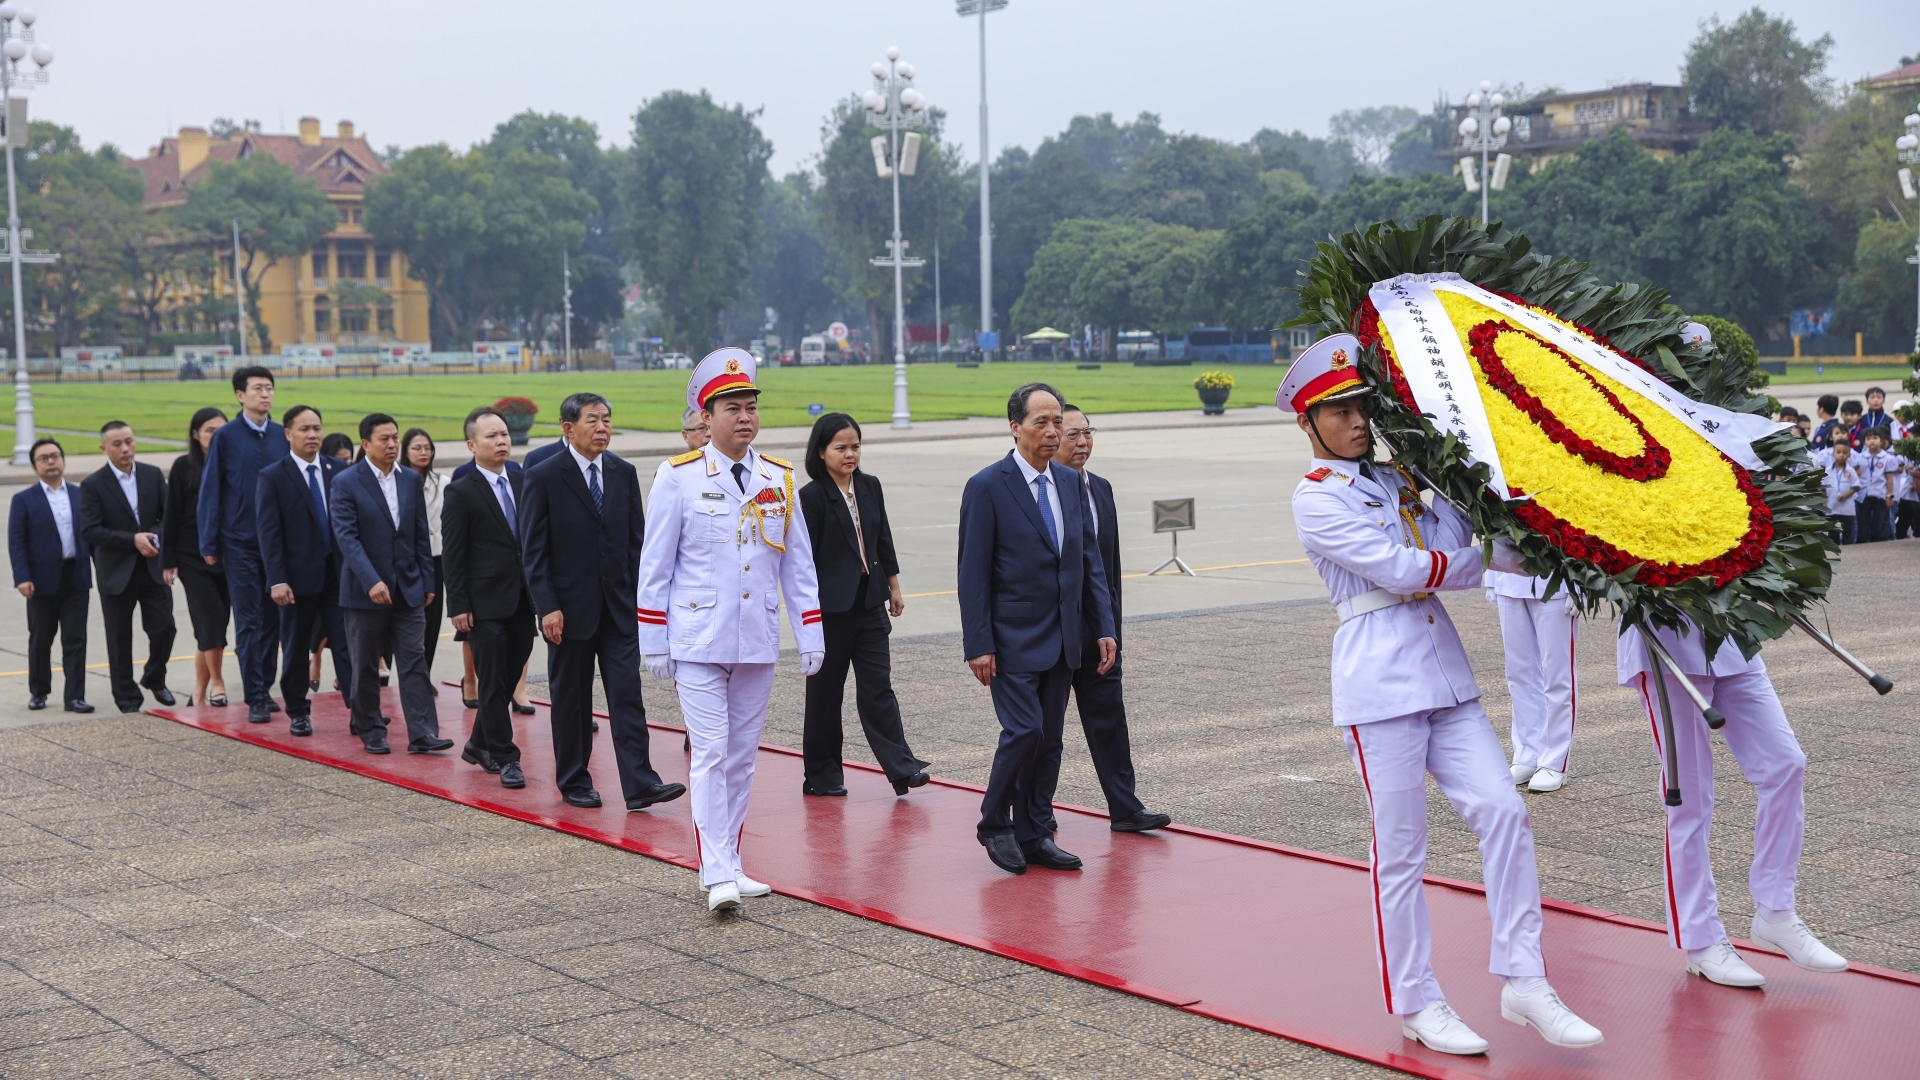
{"points": [[1911, 71], [338, 166]]}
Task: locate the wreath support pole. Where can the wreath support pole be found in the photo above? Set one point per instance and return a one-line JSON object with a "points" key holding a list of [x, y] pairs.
{"points": [[1666, 719], [1880, 683]]}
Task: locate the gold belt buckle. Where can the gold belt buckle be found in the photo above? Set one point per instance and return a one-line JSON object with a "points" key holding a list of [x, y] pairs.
{"points": [[1422, 595]]}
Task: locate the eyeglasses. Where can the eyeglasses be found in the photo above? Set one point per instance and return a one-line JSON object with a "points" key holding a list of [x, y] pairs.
{"points": [[1074, 433], [691, 430]]}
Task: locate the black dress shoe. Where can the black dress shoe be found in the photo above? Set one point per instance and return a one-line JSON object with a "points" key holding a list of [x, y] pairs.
{"points": [[522, 710], [596, 727], [1048, 854], [379, 747], [272, 705], [162, 695], [918, 779], [656, 793], [258, 713], [511, 776], [1005, 853], [429, 746], [1141, 822], [471, 703], [37, 702], [128, 708], [807, 788], [474, 757], [313, 686], [77, 705], [299, 726], [588, 799], [1049, 824]]}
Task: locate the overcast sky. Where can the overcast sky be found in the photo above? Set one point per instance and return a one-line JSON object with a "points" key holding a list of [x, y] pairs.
{"points": [[422, 71]]}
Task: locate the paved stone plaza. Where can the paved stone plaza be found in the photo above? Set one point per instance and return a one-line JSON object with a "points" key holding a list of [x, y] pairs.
{"points": [[179, 904]]}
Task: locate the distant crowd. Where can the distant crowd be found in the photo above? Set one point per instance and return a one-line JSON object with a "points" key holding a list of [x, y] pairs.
{"points": [[1871, 491]]}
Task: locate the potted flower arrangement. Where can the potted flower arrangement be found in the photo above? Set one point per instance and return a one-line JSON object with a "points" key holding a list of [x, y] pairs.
{"points": [[519, 413], [1214, 387]]}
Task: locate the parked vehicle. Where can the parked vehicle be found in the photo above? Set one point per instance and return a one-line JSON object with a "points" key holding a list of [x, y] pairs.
{"points": [[813, 350], [675, 361], [1217, 345]]}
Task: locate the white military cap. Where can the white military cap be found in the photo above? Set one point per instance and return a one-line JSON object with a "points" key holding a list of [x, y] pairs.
{"points": [[1327, 371], [722, 371], [1696, 334]]}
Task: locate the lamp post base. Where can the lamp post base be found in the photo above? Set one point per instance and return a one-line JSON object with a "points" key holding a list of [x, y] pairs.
{"points": [[22, 417]]}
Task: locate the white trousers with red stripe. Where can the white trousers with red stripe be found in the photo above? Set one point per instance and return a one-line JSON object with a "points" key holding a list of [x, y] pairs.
{"points": [[1540, 636], [1764, 745], [1458, 747], [724, 706]]}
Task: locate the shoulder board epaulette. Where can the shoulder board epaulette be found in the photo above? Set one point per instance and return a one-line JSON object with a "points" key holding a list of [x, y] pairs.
{"points": [[686, 458], [1320, 473], [771, 460]]}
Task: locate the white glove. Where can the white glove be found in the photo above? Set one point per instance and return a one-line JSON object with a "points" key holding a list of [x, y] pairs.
{"points": [[810, 662], [1506, 557], [659, 666]]}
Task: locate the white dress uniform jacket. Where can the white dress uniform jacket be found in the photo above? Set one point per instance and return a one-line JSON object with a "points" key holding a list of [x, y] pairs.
{"points": [[1405, 658], [712, 567]]}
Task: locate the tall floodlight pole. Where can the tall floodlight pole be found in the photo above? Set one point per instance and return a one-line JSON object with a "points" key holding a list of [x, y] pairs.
{"points": [[1485, 130], [566, 305], [18, 46], [978, 9], [894, 104], [239, 291], [1909, 147]]}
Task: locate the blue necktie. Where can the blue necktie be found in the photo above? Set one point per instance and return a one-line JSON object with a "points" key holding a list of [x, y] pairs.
{"points": [[1046, 511], [506, 504], [593, 487], [320, 506]]}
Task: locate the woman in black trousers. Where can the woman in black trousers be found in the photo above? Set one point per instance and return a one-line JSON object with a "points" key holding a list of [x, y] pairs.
{"points": [[852, 554], [206, 586]]}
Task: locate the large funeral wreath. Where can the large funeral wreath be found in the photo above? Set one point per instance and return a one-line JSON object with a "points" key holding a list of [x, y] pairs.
{"points": [[1754, 546]]}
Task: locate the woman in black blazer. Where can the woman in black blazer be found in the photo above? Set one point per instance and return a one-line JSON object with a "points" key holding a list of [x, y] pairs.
{"points": [[206, 586], [852, 551]]}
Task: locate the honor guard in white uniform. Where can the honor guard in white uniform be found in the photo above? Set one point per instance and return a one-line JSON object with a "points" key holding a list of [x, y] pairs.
{"points": [[1407, 705], [1764, 745], [725, 539], [1540, 635]]}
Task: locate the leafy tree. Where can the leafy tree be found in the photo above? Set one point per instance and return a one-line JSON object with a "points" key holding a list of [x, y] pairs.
{"points": [[1115, 275], [533, 213], [597, 302], [1326, 163], [1847, 170], [1190, 180], [1249, 277], [590, 167], [1373, 131], [794, 273], [226, 126], [86, 206], [1755, 73], [692, 192], [1412, 150], [1877, 295], [432, 208], [280, 216]]}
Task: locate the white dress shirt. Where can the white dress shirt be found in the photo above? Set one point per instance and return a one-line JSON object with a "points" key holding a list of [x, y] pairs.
{"points": [[432, 484], [130, 488], [583, 461], [1031, 475], [62, 516], [501, 495], [390, 489]]}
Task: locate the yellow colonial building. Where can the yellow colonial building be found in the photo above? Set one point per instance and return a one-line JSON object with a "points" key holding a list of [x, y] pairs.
{"points": [[301, 298]]}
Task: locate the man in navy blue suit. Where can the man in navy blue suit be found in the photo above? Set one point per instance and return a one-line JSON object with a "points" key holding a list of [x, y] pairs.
{"points": [[386, 582], [50, 569], [235, 457], [302, 562], [1031, 586]]}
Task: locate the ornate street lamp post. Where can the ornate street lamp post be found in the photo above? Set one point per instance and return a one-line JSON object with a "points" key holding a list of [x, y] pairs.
{"points": [[892, 105], [1485, 130], [1909, 148], [18, 46]]}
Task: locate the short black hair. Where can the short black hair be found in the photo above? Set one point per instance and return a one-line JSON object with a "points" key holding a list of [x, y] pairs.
{"points": [[38, 443], [251, 371], [1788, 412], [1872, 390], [1883, 432], [286, 418], [1017, 403], [335, 442], [576, 404], [1852, 405], [474, 417], [824, 429], [371, 421], [1828, 403], [1839, 437], [110, 425]]}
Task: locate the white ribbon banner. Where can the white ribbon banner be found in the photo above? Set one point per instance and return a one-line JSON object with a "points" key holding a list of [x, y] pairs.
{"points": [[1437, 367]]}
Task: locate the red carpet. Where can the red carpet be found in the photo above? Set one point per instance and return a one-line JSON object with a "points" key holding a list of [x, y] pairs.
{"points": [[1273, 938]]}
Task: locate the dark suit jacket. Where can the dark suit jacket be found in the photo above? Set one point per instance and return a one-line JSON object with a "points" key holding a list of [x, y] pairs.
{"points": [[513, 468], [579, 563], [33, 540], [109, 524], [371, 549], [541, 453], [1108, 518], [479, 555], [234, 460], [1019, 598], [836, 551], [295, 546]]}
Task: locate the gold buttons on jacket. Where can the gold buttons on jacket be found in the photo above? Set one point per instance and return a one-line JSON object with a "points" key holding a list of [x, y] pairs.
{"points": [[749, 596], [1429, 620], [747, 567]]}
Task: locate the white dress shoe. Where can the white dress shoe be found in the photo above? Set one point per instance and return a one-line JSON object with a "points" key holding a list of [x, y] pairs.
{"points": [[724, 895], [1721, 963], [1544, 1012], [1523, 773], [1798, 942], [750, 887], [1438, 1027], [1545, 780]]}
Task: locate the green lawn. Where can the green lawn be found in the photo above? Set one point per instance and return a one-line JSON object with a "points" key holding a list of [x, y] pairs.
{"points": [[644, 400], [1799, 372]]}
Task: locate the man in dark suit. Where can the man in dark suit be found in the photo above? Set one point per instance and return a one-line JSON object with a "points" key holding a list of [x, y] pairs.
{"points": [[227, 520], [295, 535], [121, 506], [582, 529], [50, 569], [386, 582], [487, 587], [541, 453], [1103, 708], [1030, 582]]}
